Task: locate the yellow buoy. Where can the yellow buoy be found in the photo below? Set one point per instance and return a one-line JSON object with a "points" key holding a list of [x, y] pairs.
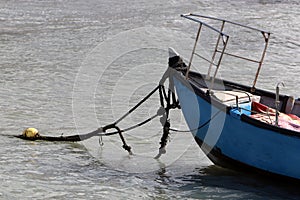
{"points": [[30, 133]]}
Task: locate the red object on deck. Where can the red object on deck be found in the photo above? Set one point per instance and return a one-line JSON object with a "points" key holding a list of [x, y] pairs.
{"points": [[267, 115]]}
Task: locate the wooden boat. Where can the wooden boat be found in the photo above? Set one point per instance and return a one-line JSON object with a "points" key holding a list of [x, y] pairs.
{"points": [[237, 126]]}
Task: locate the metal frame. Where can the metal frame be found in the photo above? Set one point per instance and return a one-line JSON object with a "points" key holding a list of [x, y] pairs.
{"points": [[225, 38]]}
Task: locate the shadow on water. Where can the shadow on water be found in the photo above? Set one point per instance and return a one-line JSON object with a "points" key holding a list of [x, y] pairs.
{"points": [[228, 184]]}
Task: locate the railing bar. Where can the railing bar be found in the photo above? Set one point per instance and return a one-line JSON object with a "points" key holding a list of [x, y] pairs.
{"points": [[241, 57], [231, 22], [205, 24], [193, 52], [219, 63], [261, 60], [215, 51], [205, 59]]}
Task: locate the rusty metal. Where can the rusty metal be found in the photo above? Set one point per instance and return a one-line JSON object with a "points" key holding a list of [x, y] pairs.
{"points": [[221, 50]]}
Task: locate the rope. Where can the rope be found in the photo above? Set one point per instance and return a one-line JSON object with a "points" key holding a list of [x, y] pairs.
{"points": [[101, 131], [165, 117], [71, 138], [163, 111], [199, 127], [138, 104], [134, 126]]}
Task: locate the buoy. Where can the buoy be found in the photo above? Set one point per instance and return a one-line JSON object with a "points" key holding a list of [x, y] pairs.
{"points": [[30, 133]]}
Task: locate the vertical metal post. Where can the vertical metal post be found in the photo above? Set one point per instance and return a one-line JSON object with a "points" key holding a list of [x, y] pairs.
{"points": [[261, 60], [216, 48], [194, 49], [220, 59], [277, 102]]}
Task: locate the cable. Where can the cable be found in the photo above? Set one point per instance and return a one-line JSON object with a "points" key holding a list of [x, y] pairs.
{"points": [[199, 127]]}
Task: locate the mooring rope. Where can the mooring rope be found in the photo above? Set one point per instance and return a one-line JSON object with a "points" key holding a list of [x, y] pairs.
{"points": [[163, 111], [70, 138], [33, 134], [199, 127]]}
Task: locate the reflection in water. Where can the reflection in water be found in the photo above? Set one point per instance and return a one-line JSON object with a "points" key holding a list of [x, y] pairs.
{"points": [[237, 185]]}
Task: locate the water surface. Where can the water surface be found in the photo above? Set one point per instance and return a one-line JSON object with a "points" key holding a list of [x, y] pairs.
{"points": [[71, 66]]}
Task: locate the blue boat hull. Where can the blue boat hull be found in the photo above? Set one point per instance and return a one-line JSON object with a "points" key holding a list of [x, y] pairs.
{"points": [[230, 140]]}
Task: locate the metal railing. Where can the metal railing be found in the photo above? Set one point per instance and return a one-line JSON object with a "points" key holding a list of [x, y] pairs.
{"points": [[220, 48]]}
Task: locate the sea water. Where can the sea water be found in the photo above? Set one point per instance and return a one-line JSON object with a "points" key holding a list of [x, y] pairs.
{"points": [[69, 67]]}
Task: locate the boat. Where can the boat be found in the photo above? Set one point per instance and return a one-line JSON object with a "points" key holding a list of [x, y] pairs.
{"points": [[237, 126]]}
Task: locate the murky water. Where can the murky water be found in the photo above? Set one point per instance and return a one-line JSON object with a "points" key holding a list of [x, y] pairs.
{"points": [[72, 66]]}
